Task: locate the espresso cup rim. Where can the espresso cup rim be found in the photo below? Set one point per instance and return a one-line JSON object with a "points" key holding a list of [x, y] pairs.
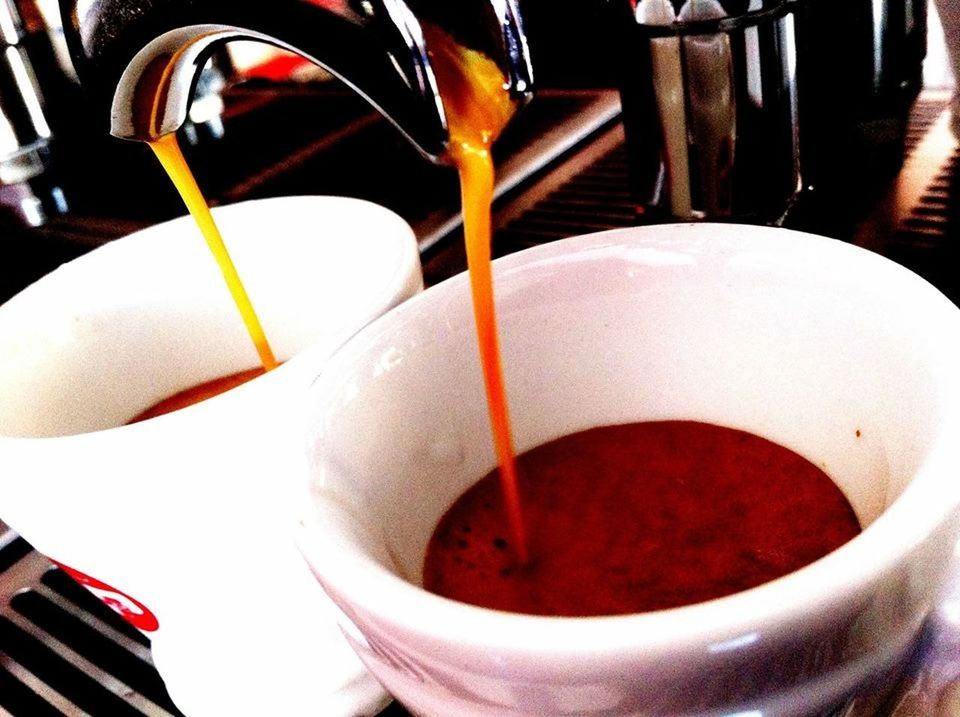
{"points": [[175, 236]]}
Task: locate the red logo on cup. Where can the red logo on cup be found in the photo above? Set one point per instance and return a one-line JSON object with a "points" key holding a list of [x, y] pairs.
{"points": [[133, 611]]}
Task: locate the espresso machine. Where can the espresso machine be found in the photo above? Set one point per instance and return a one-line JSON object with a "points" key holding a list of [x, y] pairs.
{"points": [[49, 129], [563, 165], [854, 98]]}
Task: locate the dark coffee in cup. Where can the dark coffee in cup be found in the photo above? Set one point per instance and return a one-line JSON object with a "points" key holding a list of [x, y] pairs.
{"points": [[198, 393], [638, 517]]}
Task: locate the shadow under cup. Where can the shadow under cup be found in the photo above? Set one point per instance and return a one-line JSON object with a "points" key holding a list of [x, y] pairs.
{"points": [[833, 352], [709, 92]]}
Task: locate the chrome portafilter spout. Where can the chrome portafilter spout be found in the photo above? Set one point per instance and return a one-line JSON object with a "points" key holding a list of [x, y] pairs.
{"points": [[144, 56]]}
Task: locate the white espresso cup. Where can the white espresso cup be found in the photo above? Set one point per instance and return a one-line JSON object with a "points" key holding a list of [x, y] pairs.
{"points": [[832, 351], [183, 523]]}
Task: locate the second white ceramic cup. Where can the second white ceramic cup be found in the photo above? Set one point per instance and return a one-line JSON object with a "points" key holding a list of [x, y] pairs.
{"points": [[183, 522]]}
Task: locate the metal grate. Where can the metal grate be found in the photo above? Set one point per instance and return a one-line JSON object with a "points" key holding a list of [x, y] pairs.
{"points": [[596, 199], [934, 217], [62, 652], [924, 236], [925, 113]]}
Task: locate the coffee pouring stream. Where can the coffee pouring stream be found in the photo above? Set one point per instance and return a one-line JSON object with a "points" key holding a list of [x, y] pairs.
{"points": [[130, 53], [183, 527], [145, 58], [449, 76]]}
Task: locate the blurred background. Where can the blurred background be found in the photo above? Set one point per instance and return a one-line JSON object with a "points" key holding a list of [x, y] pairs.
{"points": [[265, 123]]}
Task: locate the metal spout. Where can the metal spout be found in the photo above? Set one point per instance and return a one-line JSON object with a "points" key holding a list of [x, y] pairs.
{"points": [[144, 56]]}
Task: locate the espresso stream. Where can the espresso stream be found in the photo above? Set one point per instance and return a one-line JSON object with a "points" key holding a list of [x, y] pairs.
{"points": [[621, 521], [171, 158], [477, 109]]}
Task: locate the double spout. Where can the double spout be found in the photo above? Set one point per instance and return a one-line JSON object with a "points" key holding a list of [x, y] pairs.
{"points": [[144, 56]]}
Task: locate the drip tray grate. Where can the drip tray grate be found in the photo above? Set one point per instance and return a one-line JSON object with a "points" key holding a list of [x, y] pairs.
{"points": [[62, 652], [926, 237]]}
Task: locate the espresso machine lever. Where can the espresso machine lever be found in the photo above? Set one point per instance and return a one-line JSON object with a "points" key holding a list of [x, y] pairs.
{"points": [[143, 57]]}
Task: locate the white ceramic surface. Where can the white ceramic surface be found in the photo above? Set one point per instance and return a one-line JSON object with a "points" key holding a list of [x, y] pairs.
{"points": [[190, 514], [828, 349]]}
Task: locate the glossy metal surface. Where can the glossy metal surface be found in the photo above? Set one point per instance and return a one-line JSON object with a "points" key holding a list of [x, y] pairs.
{"points": [[710, 107], [133, 51], [25, 125]]}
